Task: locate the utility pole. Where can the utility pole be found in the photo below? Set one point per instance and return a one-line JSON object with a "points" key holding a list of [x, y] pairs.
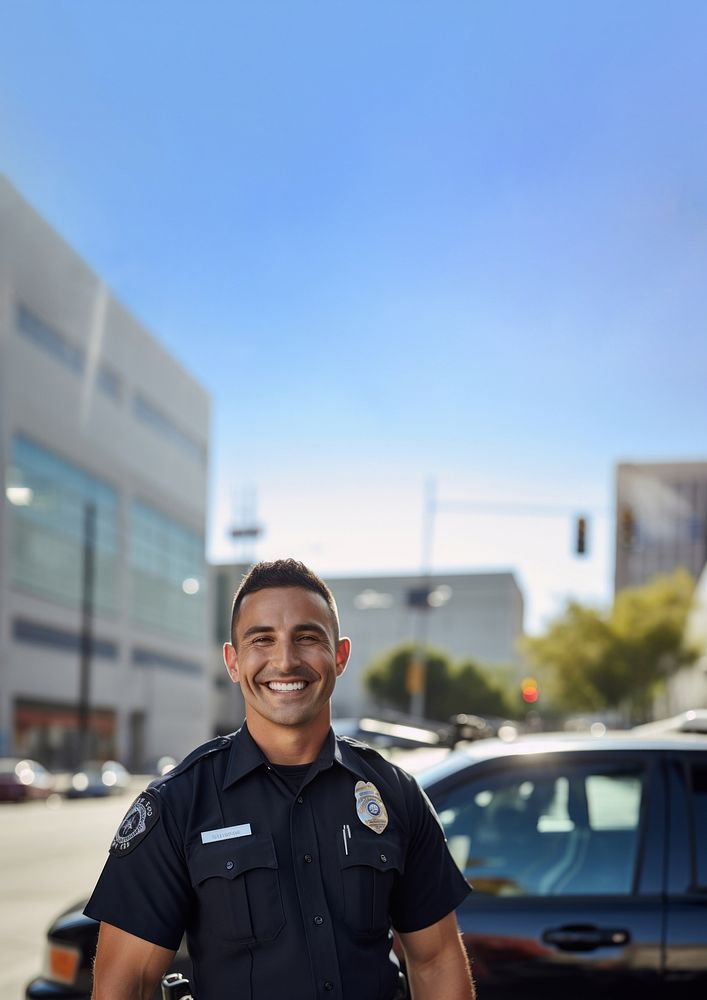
{"points": [[87, 581], [418, 601]]}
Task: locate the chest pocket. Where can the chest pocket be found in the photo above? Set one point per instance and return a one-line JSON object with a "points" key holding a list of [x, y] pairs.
{"points": [[238, 888], [367, 875]]}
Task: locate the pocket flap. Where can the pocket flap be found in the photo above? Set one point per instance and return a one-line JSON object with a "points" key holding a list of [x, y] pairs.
{"points": [[372, 852], [231, 858]]}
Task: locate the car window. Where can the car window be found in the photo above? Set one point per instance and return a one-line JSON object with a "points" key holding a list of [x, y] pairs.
{"points": [[552, 832], [699, 799]]}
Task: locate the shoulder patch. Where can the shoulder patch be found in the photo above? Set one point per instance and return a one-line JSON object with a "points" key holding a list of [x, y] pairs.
{"points": [[140, 818]]}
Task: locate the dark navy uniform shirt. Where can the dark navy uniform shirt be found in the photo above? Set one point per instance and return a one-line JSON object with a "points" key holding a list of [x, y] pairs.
{"points": [[284, 890]]}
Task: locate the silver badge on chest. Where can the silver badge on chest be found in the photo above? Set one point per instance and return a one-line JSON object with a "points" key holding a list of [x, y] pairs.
{"points": [[370, 807]]}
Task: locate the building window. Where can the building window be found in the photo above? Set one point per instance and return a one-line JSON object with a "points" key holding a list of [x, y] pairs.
{"points": [[53, 342], [168, 573], [59, 639], [109, 382], [150, 659], [47, 503], [50, 340], [155, 418], [48, 731]]}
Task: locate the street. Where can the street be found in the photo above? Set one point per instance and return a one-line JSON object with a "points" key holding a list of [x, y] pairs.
{"points": [[50, 857]]}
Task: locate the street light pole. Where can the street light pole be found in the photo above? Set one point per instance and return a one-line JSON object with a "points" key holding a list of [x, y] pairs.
{"points": [[86, 645], [417, 669]]}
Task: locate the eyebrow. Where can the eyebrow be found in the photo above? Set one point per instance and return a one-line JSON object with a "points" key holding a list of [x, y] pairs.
{"points": [[303, 627]]}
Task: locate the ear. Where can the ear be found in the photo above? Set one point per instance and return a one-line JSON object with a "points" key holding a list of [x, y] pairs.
{"points": [[343, 651], [230, 658]]}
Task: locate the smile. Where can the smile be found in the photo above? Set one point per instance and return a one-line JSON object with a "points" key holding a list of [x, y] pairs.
{"points": [[286, 685]]}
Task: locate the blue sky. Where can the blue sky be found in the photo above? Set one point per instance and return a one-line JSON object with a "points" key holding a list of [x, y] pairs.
{"points": [[395, 241]]}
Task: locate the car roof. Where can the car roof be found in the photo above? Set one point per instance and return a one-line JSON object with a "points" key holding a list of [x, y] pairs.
{"points": [[550, 743]]}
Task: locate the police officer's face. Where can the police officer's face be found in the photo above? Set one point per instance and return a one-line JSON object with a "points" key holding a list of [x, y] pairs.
{"points": [[286, 657]]}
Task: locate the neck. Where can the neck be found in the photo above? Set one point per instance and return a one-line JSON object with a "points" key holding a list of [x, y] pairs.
{"points": [[288, 744]]}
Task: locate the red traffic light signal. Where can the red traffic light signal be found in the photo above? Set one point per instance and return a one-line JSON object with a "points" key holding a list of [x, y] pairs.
{"points": [[529, 690]]}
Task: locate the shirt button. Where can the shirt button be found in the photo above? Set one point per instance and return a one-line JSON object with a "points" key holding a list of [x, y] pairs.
{"points": [[229, 865], [383, 858], [318, 920], [328, 986], [308, 858], [300, 799]]}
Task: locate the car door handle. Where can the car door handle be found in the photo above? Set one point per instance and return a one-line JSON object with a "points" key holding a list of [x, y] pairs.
{"points": [[585, 937]]}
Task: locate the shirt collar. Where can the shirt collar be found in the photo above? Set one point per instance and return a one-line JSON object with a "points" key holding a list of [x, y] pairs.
{"points": [[245, 756]]}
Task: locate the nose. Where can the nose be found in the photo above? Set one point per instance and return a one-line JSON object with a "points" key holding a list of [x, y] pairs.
{"points": [[286, 656]]}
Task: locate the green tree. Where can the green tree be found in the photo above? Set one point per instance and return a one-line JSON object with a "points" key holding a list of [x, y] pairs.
{"points": [[386, 678], [591, 660], [482, 691], [449, 688]]}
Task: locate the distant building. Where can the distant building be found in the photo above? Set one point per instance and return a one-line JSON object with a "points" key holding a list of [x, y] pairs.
{"points": [[104, 450], [661, 520], [477, 615], [686, 689]]}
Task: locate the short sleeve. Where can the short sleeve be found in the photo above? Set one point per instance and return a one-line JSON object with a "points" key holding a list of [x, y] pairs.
{"points": [[431, 885], [144, 887]]}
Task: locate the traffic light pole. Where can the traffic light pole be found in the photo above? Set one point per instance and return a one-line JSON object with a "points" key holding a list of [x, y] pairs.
{"points": [[417, 669], [87, 582]]}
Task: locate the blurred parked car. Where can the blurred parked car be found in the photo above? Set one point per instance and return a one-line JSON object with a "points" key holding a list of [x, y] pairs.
{"points": [[96, 780], [382, 732], [68, 958], [23, 779], [414, 745], [692, 721], [588, 857]]}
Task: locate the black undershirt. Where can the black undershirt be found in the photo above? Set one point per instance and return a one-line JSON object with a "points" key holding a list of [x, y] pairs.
{"points": [[292, 774]]}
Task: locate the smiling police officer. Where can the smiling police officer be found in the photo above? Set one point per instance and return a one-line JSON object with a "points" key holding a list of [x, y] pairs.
{"points": [[286, 853]]}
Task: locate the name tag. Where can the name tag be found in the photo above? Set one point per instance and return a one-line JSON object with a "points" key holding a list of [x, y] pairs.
{"points": [[225, 833]]}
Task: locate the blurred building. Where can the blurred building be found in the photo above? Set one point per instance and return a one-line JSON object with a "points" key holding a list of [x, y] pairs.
{"points": [[104, 449], [687, 688], [477, 615], [661, 520]]}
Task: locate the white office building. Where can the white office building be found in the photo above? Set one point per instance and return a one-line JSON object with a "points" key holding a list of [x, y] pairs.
{"points": [[104, 450], [661, 520]]}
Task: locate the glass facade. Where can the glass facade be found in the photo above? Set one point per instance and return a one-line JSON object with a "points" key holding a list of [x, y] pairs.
{"points": [[48, 499], [168, 573]]}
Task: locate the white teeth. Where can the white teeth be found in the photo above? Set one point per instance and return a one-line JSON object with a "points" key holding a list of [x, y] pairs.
{"points": [[290, 686]]}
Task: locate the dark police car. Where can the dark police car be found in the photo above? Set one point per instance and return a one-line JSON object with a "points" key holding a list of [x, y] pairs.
{"points": [[588, 857]]}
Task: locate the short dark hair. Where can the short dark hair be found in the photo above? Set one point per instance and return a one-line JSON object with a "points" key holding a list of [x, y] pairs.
{"points": [[282, 573]]}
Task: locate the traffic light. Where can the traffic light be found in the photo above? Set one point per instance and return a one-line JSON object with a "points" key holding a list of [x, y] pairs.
{"points": [[419, 598], [529, 690], [581, 538], [627, 527]]}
